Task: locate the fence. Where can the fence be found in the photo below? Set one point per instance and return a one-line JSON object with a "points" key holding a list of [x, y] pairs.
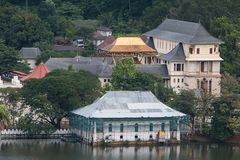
{"points": [[19, 134]]}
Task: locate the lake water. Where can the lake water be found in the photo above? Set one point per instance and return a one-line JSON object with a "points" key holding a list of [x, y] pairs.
{"points": [[56, 150]]}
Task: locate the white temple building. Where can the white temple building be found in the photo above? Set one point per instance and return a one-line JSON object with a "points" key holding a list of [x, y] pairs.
{"points": [[126, 116]]}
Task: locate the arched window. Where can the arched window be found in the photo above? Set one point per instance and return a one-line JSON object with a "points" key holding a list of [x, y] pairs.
{"points": [[110, 128], [136, 127], [151, 127]]}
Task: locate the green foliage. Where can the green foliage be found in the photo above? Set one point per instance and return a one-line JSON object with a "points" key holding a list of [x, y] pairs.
{"points": [[4, 117], [9, 59], [223, 106], [32, 125], [50, 99], [185, 102], [21, 28], [124, 74], [229, 32], [225, 122], [10, 97], [126, 77]]}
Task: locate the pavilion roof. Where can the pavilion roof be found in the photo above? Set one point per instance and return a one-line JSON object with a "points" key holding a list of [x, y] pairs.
{"points": [[128, 45]]}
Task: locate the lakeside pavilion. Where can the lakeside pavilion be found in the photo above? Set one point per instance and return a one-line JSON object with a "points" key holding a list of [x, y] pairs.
{"points": [[130, 47], [126, 116]]}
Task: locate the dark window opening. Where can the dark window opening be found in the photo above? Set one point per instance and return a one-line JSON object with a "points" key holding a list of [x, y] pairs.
{"points": [[210, 51], [136, 127], [151, 127], [198, 50], [163, 127], [191, 50], [121, 136], [121, 127], [110, 128]]}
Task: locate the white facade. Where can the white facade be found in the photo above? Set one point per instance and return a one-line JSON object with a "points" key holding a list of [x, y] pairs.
{"points": [[201, 69]]}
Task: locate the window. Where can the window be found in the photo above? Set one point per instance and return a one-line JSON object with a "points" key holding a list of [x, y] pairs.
{"points": [[191, 50], [182, 80], [150, 136], [163, 127], [178, 80], [110, 128], [210, 50], [198, 50], [151, 127], [105, 80], [121, 136], [136, 136], [202, 67], [121, 127], [214, 49], [136, 127], [178, 67], [174, 80], [210, 65], [109, 80]]}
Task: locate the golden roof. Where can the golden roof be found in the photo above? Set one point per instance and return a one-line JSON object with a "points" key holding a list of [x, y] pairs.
{"points": [[128, 45]]}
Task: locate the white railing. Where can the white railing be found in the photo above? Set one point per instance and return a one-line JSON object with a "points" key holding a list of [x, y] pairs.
{"points": [[20, 132]]}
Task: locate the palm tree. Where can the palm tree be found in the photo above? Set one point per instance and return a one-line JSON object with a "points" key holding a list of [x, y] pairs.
{"points": [[4, 117]]}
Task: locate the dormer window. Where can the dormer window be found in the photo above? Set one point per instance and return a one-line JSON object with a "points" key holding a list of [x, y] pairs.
{"points": [[198, 50], [191, 50]]}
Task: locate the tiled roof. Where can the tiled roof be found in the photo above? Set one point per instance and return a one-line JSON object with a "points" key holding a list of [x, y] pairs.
{"points": [[92, 65], [39, 72], [155, 69], [128, 104], [107, 41], [102, 66], [176, 54], [30, 53], [98, 36], [182, 31]]}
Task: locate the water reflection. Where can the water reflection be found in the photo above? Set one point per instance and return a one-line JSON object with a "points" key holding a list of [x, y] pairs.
{"points": [[56, 150]]}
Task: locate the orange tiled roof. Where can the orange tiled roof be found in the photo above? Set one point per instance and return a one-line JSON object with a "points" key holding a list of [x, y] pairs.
{"points": [[39, 72]]}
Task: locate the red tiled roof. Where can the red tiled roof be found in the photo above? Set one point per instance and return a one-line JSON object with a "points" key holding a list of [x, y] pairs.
{"points": [[106, 42], [39, 72]]}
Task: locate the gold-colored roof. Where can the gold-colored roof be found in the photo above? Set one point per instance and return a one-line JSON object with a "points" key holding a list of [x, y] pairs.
{"points": [[128, 45]]}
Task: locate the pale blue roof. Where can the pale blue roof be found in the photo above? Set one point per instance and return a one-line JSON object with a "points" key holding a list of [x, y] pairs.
{"points": [[127, 104]]}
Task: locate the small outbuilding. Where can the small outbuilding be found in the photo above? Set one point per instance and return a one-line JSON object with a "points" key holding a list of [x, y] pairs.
{"points": [[126, 116], [30, 55]]}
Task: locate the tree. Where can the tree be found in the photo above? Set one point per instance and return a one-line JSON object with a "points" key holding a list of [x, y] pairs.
{"points": [[123, 74], [222, 122], [10, 59], [52, 98], [204, 109], [11, 99], [4, 117], [126, 77], [185, 102]]}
